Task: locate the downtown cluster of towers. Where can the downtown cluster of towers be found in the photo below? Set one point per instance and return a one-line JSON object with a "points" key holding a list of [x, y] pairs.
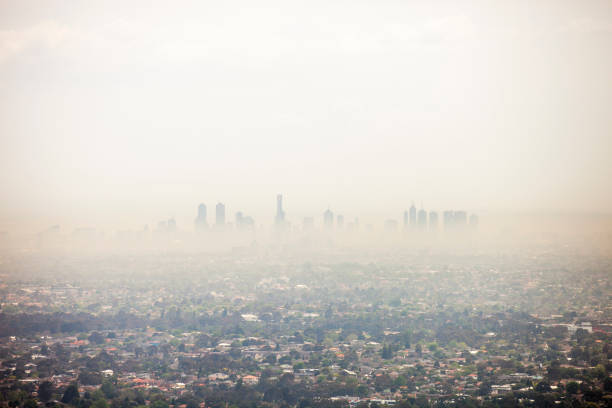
{"points": [[417, 220], [242, 221], [422, 220]]}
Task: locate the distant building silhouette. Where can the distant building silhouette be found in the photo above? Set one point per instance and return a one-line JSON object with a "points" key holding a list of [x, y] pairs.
{"points": [[460, 219], [433, 220], [220, 214], [406, 219], [328, 218], [413, 216], [340, 221], [448, 220], [171, 225], [473, 221], [200, 221], [422, 219], [167, 225], [243, 221], [280, 214]]}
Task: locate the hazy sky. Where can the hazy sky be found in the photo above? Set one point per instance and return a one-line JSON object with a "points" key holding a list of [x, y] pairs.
{"points": [[123, 113]]}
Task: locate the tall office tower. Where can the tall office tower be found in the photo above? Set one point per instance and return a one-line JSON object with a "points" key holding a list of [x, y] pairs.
{"points": [[248, 222], [171, 225], [220, 214], [422, 219], [328, 218], [448, 220], [244, 221], [340, 221], [413, 216], [433, 220], [280, 214], [200, 221], [460, 219], [239, 219], [473, 221]]}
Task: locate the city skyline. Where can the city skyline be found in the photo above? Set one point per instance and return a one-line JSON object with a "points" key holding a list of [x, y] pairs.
{"points": [[365, 109], [411, 218], [420, 220], [305, 204], [426, 219]]}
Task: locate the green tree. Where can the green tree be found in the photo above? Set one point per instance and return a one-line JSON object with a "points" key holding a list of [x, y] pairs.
{"points": [[30, 403], [45, 391], [99, 403], [572, 387], [607, 384], [109, 389], [159, 404], [71, 395]]}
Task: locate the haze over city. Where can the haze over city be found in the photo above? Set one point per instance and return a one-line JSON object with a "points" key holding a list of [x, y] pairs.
{"points": [[305, 204], [114, 117]]}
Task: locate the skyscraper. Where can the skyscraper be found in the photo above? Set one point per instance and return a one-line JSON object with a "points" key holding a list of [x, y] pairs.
{"points": [[280, 214], [422, 219], [220, 214], [340, 221], [406, 219], [448, 220], [200, 221], [460, 219], [171, 225], [243, 221], [239, 218], [328, 218], [433, 220], [413, 216], [473, 221]]}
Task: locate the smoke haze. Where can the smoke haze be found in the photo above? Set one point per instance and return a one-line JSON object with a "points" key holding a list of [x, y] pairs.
{"points": [[117, 115]]}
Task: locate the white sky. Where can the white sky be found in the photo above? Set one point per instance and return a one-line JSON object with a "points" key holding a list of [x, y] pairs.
{"points": [[123, 113]]}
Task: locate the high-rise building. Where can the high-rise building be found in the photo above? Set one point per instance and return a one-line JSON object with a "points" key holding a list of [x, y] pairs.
{"points": [[448, 220], [220, 214], [473, 221], [422, 219], [171, 225], [406, 219], [328, 218], [340, 221], [243, 221], [239, 218], [202, 211], [433, 220], [200, 221], [413, 216], [248, 222], [460, 219], [280, 214]]}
